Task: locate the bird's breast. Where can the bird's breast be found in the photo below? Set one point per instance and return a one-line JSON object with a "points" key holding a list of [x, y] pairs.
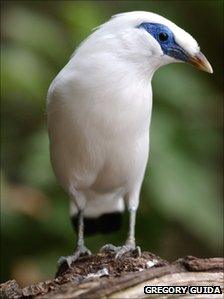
{"points": [[99, 138]]}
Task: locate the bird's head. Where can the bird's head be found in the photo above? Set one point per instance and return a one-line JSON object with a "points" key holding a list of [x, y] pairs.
{"points": [[152, 40]]}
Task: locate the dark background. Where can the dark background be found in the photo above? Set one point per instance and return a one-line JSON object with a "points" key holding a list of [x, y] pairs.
{"points": [[180, 211]]}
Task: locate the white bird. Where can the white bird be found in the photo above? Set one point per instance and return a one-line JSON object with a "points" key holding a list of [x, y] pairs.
{"points": [[99, 110]]}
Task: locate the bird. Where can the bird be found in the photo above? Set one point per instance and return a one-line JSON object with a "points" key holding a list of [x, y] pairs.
{"points": [[98, 115]]}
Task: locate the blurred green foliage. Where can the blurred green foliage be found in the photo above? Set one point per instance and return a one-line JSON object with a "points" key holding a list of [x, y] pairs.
{"points": [[181, 200]]}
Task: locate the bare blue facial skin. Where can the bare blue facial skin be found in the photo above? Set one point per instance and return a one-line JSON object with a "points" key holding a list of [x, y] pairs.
{"points": [[165, 38]]}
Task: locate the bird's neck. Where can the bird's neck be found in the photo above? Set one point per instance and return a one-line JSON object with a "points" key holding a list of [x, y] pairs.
{"points": [[107, 57]]}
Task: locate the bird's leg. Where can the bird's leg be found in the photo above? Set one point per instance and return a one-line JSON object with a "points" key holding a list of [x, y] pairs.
{"points": [[81, 249], [130, 242], [131, 232]]}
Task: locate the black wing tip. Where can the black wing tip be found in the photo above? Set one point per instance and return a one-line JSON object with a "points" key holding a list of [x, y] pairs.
{"points": [[106, 223]]}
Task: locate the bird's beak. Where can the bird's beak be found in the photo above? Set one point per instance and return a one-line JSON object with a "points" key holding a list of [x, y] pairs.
{"points": [[200, 62]]}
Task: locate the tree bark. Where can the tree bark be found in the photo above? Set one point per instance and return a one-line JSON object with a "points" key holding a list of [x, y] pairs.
{"points": [[101, 276]]}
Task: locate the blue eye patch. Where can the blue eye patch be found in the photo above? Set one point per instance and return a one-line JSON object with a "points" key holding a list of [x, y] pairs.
{"points": [[165, 38]]}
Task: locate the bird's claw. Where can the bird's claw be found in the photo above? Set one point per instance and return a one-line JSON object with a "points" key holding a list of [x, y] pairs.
{"points": [[121, 250], [128, 248], [109, 247], [81, 251]]}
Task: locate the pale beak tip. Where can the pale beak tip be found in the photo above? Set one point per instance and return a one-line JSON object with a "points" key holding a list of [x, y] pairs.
{"points": [[210, 70], [207, 67], [201, 62]]}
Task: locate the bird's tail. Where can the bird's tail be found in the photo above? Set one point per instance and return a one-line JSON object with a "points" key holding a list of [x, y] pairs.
{"points": [[100, 216]]}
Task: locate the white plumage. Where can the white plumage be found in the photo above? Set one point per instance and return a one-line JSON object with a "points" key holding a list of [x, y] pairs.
{"points": [[99, 111]]}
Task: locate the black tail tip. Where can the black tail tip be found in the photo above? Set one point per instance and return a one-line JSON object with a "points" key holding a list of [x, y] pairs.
{"points": [[104, 224]]}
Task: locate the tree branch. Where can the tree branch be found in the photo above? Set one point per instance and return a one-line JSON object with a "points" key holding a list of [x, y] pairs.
{"points": [[101, 276]]}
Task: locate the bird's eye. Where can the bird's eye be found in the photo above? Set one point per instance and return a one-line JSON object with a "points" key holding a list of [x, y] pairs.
{"points": [[163, 36]]}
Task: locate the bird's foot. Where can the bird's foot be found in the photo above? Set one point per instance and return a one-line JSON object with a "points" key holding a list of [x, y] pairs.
{"points": [[80, 251], [121, 250]]}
